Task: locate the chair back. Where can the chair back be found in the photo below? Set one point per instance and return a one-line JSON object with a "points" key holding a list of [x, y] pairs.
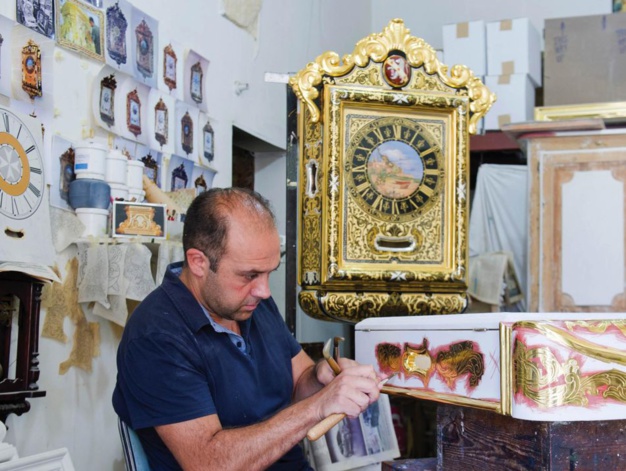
{"points": [[134, 454]]}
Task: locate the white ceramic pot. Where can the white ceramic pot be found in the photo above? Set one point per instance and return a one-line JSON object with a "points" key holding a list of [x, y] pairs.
{"points": [[134, 175], [90, 160], [95, 221], [117, 164]]}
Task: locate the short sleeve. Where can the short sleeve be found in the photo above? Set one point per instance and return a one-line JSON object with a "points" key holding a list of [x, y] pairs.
{"points": [[163, 381]]}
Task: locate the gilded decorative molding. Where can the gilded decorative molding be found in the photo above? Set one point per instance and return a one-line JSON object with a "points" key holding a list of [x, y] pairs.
{"points": [[355, 306], [541, 377], [376, 47], [574, 343]]}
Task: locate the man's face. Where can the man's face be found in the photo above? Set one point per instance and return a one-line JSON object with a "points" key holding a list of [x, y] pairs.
{"points": [[242, 278]]}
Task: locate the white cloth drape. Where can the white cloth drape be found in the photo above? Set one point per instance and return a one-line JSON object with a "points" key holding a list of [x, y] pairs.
{"points": [[499, 215]]}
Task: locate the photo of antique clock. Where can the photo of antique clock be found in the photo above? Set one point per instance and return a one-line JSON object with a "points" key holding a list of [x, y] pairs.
{"points": [[107, 99], [116, 26], [133, 113], [169, 67], [145, 49], [195, 85], [161, 122], [186, 131], [383, 179], [31, 70]]}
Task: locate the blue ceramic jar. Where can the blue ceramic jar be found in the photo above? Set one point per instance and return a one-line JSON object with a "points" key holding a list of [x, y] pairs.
{"points": [[90, 193]]}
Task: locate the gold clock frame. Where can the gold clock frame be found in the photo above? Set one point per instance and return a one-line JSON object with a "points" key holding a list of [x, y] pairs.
{"points": [[427, 272]]}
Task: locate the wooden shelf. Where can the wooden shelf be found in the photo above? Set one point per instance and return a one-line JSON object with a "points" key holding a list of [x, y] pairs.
{"points": [[492, 142]]}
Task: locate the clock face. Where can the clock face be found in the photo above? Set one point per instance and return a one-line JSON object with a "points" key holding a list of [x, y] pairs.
{"points": [[393, 168], [21, 168]]}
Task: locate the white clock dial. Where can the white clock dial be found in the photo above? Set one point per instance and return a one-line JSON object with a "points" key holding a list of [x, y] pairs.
{"points": [[21, 168]]}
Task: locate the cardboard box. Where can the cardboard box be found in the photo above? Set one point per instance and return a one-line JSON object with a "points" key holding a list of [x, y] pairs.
{"points": [[585, 60], [515, 101], [514, 47], [466, 44]]}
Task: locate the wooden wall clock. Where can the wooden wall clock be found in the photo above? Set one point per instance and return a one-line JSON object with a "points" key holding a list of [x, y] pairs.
{"points": [[383, 173]]}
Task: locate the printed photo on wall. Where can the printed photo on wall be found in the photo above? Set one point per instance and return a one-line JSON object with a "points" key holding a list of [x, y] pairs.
{"points": [[196, 68], [144, 44], [6, 25], [151, 163], [186, 130], [179, 173], [117, 35], [62, 172], [202, 179], [79, 27], [37, 15]]}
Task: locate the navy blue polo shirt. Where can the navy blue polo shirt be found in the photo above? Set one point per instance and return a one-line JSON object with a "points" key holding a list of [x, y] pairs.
{"points": [[173, 365]]}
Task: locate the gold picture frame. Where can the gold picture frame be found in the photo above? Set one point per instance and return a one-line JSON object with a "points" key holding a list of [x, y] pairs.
{"points": [[80, 27]]}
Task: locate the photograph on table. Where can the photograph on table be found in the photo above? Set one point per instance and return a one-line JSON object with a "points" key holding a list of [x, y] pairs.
{"points": [[138, 219], [79, 27]]}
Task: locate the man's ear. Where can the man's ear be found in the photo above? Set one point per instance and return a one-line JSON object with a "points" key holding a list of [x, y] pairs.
{"points": [[197, 262]]}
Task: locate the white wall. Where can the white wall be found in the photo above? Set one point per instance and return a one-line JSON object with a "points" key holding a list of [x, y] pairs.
{"points": [[425, 18], [77, 412]]}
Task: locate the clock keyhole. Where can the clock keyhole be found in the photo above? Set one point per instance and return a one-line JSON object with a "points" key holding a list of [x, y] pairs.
{"points": [[311, 179]]}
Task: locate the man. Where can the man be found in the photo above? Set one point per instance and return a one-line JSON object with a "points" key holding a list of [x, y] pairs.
{"points": [[208, 374], [95, 35]]}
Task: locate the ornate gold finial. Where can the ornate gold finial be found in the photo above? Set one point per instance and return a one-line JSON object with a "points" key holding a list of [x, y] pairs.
{"points": [[376, 47]]}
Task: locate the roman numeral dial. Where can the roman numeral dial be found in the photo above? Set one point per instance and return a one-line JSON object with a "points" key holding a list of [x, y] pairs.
{"points": [[394, 166], [21, 168]]}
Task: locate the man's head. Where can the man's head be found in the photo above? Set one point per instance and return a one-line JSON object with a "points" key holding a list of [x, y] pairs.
{"points": [[231, 247], [208, 219], [91, 22]]}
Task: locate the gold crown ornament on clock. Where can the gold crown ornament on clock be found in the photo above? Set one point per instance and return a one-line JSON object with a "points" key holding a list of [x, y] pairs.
{"points": [[383, 179]]}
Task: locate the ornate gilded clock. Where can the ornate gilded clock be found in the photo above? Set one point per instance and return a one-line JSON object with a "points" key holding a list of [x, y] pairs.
{"points": [[383, 203]]}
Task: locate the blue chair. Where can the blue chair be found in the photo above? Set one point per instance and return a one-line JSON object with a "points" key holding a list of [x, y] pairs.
{"points": [[134, 455]]}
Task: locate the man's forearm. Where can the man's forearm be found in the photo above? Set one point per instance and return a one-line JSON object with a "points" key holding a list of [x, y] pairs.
{"points": [[251, 447]]}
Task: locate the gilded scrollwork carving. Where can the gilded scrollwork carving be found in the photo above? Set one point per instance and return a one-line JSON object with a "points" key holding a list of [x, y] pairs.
{"points": [[541, 377], [355, 306], [376, 47]]}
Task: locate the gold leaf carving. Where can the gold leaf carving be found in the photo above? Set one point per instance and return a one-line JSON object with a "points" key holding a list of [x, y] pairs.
{"points": [[376, 47], [541, 377]]}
